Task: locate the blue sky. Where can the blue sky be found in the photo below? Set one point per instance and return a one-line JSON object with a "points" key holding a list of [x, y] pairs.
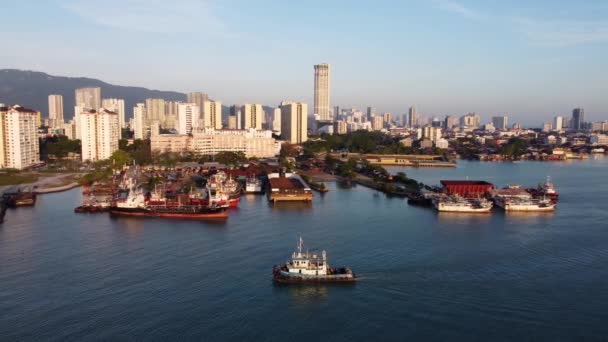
{"points": [[529, 59]]}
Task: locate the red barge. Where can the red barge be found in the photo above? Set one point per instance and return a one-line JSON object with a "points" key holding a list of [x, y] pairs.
{"points": [[136, 204]]}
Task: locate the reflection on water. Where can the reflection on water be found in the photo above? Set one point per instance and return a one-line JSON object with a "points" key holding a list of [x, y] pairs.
{"points": [[137, 223], [250, 198], [305, 294], [528, 216], [447, 217], [291, 206], [345, 184], [133, 228]]}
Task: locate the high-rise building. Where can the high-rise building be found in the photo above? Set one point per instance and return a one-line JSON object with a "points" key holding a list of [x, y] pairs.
{"points": [[19, 146], [547, 127], [251, 116], [77, 111], [100, 134], [235, 110], [336, 112], [197, 98], [170, 114], [412, 117], [232, 122], [469, 121], [558, 123], [450, 122], [387, 118], [276, 120], [212, 117], [117, 106], [321, 105], [578, 119], [294, 122], [377, 123], [55, 111], [188, 115], [500, 122], [139, 121], [89, 97], [171, 107], [371, 112], [340, 127], [155, 111], [431, 133]]}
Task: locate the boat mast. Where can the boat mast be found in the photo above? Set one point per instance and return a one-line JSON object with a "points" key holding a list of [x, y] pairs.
{"points": [[300, 246]]}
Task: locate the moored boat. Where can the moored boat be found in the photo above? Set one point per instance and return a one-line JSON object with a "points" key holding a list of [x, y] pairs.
{"points": [[456, 204], [519, 204], [253, 185], [136, 204], [305, 267], [547, 190], [21, 198]]}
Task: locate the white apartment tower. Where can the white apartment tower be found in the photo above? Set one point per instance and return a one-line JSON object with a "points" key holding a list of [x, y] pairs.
{"points": [[212, 114], [88, 97], [55, 110], [276, 120], [19, 147], [117, 106], [294, 122], [558, 123], [100, 134], [413, 117], [139, 126], [251, 116], [188, 115], [321, 96], [500, 122]]}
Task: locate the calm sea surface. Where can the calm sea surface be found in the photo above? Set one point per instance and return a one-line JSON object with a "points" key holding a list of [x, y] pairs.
{"points": [[65, 276]]}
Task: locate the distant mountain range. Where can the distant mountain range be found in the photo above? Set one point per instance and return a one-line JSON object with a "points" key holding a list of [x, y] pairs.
{"points": [[32, 88]]}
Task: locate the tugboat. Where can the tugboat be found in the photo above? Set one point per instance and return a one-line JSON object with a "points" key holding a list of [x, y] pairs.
{"points": [[546, 190], [306, 267]]}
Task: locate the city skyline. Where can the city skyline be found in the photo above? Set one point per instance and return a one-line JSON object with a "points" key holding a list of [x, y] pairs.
{"points": [[462, 57]]}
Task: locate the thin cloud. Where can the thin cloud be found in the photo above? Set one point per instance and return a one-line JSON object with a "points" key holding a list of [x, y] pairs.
{"points": [[561, 33], [152, 16], [537, 32], [458, 8]]}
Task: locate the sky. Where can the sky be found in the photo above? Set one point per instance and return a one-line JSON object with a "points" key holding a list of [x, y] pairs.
{"points": [[530, 60]]}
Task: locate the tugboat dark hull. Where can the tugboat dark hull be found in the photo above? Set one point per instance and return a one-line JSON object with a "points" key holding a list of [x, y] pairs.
{"points": [[338, 275]]}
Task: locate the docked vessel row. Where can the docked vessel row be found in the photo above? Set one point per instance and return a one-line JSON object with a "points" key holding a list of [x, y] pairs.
{"points": [[466, 196], [190, 194]]}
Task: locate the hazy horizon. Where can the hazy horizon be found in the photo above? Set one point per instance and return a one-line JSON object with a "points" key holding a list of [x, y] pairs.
{"points": [[528, 61]]}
